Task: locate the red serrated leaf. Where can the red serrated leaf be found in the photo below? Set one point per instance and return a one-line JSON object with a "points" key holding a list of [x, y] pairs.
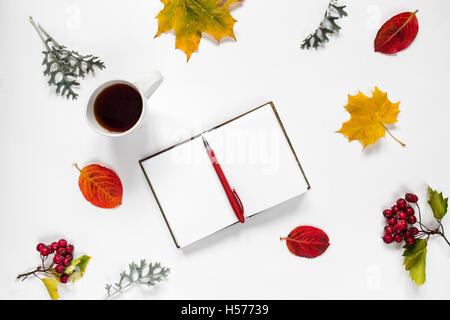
{"points": [[307, 241], [100, 186], [397, 33]]}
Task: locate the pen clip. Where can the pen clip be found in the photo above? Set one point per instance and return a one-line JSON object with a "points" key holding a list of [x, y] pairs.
{"points": [[240, 205]]}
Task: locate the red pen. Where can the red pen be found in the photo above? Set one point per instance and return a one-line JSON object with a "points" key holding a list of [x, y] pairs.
{"points": [[232, 195]]}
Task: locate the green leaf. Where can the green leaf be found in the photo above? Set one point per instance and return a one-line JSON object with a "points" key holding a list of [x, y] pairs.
{"points": [[52, 287], [437, 203], [77, 267], [415, 261]]}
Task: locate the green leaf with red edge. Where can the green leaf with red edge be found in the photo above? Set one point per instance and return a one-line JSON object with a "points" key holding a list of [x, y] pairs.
{"points": [[415, 261], [100, 186], [397, 33], [307, 241]]}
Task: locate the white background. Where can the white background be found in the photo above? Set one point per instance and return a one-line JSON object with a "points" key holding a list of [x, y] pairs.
{"points": [[43, 134]]}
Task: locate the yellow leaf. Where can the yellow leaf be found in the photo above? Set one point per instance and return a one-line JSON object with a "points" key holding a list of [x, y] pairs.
{"points": [[52, 287], [368, 117], [189, 18]]}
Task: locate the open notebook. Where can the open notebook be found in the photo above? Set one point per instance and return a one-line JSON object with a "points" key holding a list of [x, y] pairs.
{"points": [[257, 158]]}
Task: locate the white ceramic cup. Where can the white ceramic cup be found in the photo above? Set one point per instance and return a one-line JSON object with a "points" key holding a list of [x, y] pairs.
{"points": [[145, 87]]}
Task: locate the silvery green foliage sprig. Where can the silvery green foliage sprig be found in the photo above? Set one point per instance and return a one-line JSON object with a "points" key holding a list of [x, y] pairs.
{"points": [[327, 25], [64, 66], [145, 274]]}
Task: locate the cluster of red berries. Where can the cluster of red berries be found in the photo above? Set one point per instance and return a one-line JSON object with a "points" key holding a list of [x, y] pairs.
{"points": [[63, 255], [400, 221]]}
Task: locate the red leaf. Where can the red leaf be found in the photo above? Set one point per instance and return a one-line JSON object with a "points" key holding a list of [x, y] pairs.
{"points": [[397, 33], [100, 186], [306, 241]]}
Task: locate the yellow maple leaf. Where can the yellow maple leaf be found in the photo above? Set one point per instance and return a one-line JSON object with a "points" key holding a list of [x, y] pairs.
{"points": [[189, 18], [368, 117]]}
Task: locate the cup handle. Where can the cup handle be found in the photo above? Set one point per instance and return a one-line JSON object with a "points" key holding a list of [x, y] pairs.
{"points": [[149, 84]]}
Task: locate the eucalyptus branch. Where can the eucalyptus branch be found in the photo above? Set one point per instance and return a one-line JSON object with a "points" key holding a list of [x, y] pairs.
{"points": [[328, 25], [145, 274], [64, 66]]}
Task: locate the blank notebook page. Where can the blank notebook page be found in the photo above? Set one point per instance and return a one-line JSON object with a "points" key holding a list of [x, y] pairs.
{"points": [[189, 192], [256, 159]]}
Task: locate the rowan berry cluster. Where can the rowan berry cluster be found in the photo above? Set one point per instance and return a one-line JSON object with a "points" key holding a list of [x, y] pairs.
{"points": [[400, 221], [63, 255], [62, 258]]}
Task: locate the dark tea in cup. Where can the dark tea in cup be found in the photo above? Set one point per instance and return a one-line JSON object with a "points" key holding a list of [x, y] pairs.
{"points": [[118, 107]]}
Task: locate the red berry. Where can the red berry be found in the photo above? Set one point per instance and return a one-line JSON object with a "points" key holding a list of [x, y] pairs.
{"points": [[392, 221], [402, 225], [64, 278], [45, 251], [68, 256], [414, 231], [411, 197], [54, 245], [406, 234], [61, 251], [62, 242], [388, 214], [69, 248], [60, 268], [395, 209], [412, 219], [50, 249], [402, 215], [387, 238], [410, 241], [401, 204], [66, 262], [40, 246], [58, 259], [388, 230], [398, 237], [409, 211]]}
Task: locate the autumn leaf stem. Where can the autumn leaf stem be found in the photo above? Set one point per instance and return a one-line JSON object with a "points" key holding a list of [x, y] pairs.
{"points": [[445, 238], [421, 225], [42, 268], [38, 269], [429, 232], [76, 166], [404, 145]]}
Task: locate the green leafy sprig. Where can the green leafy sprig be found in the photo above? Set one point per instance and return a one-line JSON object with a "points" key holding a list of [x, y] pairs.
{"points": [[328, 25], [145, 274], [415, 256], [64, 66]]}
